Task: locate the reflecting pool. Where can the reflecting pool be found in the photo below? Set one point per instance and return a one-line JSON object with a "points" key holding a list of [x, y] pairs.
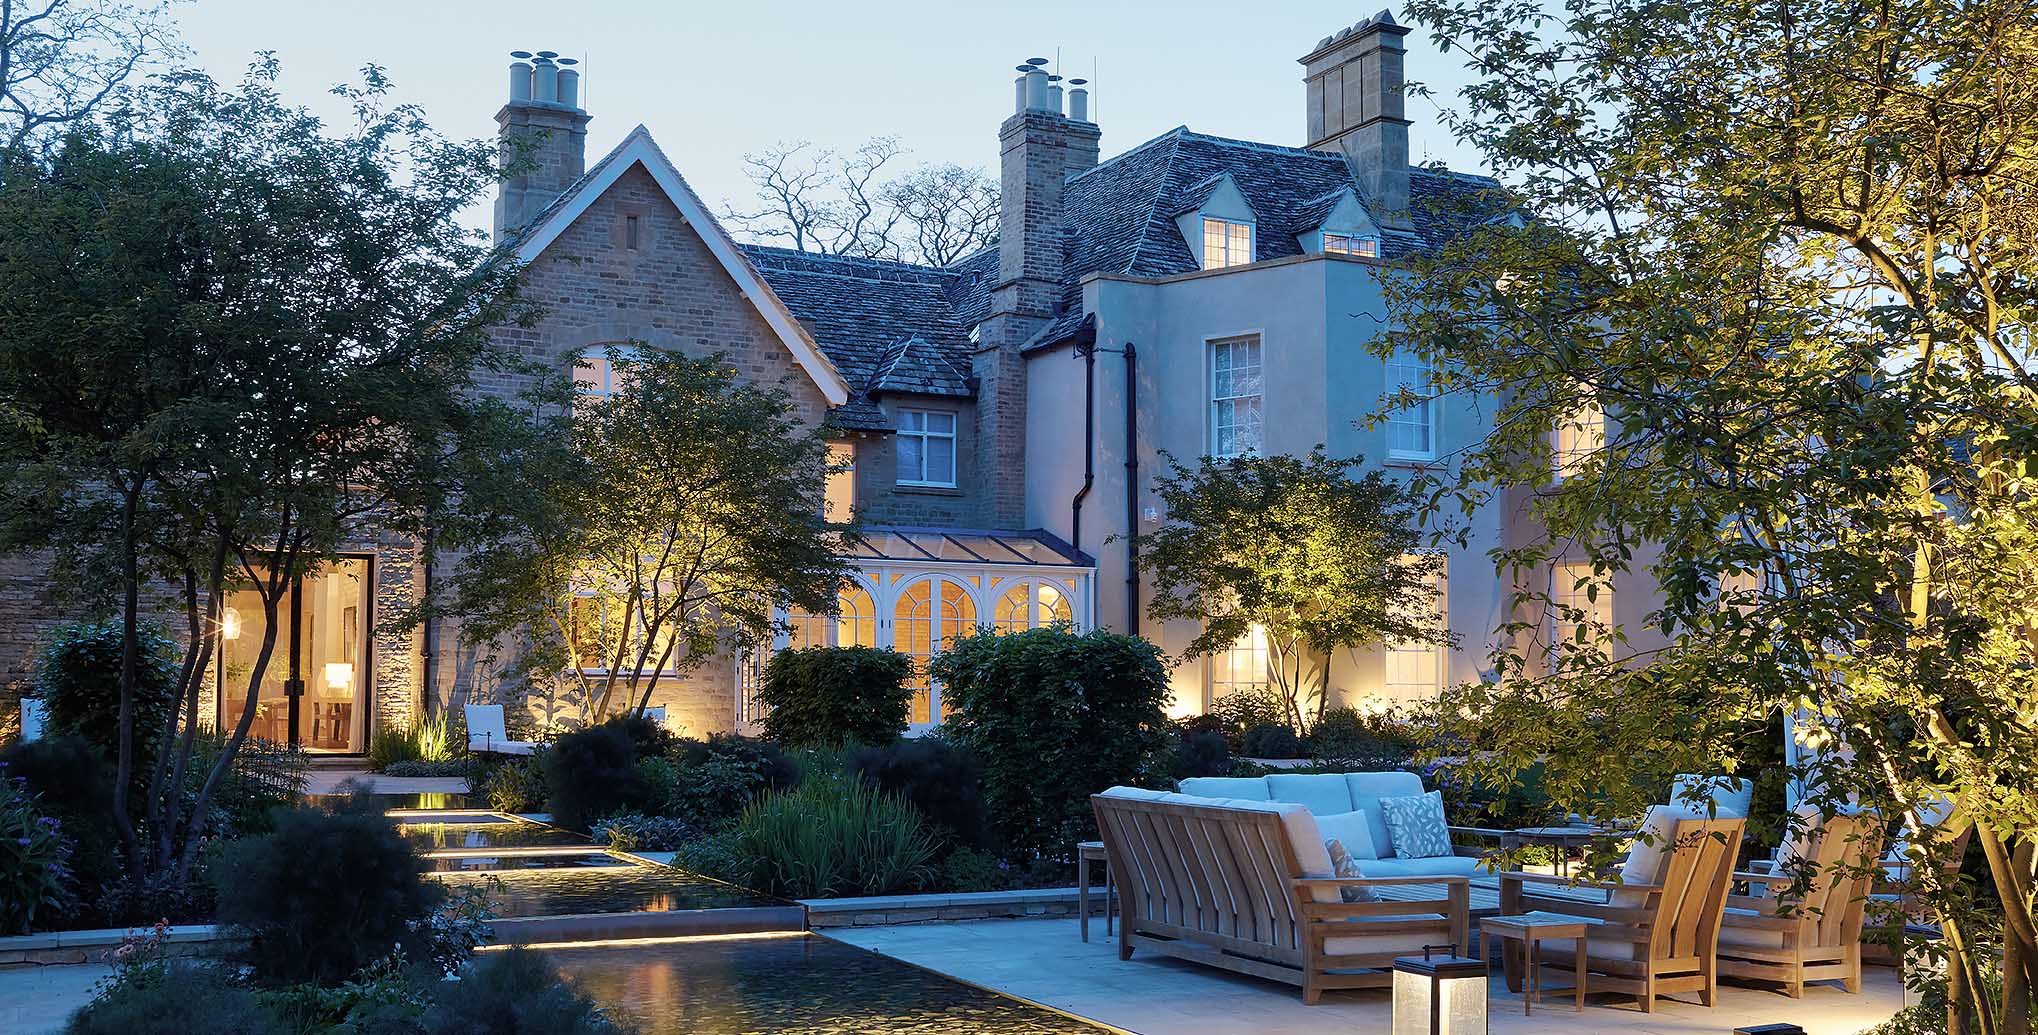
{"points": [[807, 984]]}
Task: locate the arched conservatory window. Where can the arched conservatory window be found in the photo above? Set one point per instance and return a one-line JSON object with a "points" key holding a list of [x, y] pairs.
{"points": [[929, 613], [1030, 605]]}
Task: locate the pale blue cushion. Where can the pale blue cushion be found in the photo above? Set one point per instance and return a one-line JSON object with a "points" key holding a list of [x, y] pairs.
{"points": [[1367, 790], [1323, 794], [1416, 825], [1351, 830], [1251, 788], [1731, 798], [1434, 866]]}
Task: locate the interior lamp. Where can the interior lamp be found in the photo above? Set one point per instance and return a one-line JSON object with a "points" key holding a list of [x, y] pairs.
{"points": [[230, 623], [1439, 995], [339, 675]]}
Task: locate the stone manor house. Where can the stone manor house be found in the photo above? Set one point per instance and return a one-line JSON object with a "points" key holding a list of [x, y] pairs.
{"points": [[1002, 417]]}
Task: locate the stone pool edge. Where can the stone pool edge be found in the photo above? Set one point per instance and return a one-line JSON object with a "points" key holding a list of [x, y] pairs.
{"points": [[888, 910]]}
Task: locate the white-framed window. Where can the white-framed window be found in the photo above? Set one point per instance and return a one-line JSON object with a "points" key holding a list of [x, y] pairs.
{"points": [[1245, 665], [1235, 396], [1411, 430], [838, 493], [1030, 605], [926, 440], [854, 623], [1226, 242], [1582, 434], [930, 612], [593, 632], [1346, 244], [1581, 611], [1416, 670]]}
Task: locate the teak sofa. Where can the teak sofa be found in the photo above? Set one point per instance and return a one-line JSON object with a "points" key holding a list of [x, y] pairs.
{"points": [[1325, 794], [1247, 886]]}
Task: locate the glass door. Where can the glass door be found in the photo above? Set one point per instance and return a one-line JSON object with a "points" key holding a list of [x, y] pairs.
{"points": [[314, 692]]}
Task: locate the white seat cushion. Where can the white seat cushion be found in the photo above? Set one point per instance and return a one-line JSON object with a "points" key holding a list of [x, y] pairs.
{"points": [[1754, 938], [1434, 866], [1559, 950], [1134, 793], [489, 745], [1251, 788], [1649, 855], [1351, 830], [1323, 794], [1368, 788], [1402, 942]]}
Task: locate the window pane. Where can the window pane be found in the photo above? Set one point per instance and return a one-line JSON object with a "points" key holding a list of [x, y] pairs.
{"points": [[941, 460], [941, 423], [911, 467], [912, 420]]}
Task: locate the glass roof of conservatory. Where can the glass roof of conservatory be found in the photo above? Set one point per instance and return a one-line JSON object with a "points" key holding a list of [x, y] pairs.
{"points": [[964, 546]]}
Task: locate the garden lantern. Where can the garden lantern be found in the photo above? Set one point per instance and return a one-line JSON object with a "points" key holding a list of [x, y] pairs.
{"points": [[1439, 995]]}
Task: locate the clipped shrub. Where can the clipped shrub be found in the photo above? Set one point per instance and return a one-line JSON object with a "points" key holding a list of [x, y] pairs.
{"points": [[829, 838], [1269, 740], [630, 831], [35, 874], [179, 998], [942, 780], [515, 992], [1358, 740], [650, 738], [322, 894], [1246, 707], [516, 786], [592, 773], [1055, 717], [78, 677], [720, 776], [820, 696], [1202, 753]]}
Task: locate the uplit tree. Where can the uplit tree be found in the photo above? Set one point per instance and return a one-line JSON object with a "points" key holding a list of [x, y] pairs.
{"points": [[1302, 548], [1790, 252], [690, 515]]}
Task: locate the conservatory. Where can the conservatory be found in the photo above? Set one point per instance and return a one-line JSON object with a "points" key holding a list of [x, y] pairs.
{"points": [[917, 588]]}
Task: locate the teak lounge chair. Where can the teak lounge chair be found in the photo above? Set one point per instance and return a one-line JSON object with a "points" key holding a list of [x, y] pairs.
{"points": [[1246, 886], [1791, 934], [1655, 936]]}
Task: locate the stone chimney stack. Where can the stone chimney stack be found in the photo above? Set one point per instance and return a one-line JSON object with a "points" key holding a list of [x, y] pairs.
{"points": [[1356, 107], [1039, 148], [543, 136]]}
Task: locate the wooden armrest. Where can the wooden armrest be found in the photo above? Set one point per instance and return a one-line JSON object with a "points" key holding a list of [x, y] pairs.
{"points": [[1765, 878], [1566, 882], [1362, 882]]}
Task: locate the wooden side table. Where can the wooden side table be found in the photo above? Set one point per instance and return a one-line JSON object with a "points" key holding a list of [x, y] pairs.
{"points": [[1087, 851], [1530, 929]]}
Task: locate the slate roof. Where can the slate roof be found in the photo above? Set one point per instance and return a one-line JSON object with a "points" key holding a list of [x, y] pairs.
{"points": [[895, 326], [887, 326]]}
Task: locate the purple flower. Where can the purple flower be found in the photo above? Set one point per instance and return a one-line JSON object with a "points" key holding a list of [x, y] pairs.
{"points": [[22, 841]]}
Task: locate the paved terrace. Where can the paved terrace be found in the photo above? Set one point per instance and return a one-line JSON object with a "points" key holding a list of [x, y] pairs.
{"points": [[1044, 961]]}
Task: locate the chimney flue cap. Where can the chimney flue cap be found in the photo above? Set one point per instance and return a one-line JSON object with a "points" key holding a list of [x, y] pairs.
{"points": [[520, 54], [1036, 61]]}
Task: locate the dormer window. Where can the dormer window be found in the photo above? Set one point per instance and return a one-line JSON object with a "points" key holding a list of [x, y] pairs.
{"points": [[1226, 243], [1347, 244]]}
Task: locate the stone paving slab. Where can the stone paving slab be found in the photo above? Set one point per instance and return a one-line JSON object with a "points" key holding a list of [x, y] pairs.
{"points": [[1045, 962]]}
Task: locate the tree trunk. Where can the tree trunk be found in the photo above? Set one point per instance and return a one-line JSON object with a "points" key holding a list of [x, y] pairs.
{"points": [[130, 666]]}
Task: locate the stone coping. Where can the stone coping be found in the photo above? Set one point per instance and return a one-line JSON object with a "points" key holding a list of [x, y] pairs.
{"points": [[103, 938], [1021, 897]]}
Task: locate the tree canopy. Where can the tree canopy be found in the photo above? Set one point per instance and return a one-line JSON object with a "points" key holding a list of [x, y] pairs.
{"points": [[1790, 252], [1318, 558], [688, 514]]}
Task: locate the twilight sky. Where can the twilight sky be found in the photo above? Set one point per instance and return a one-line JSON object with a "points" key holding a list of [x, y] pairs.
{"points": [[716, 80]]}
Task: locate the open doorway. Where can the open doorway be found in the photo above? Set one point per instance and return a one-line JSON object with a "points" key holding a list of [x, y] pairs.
{"points": [[314, 693]]}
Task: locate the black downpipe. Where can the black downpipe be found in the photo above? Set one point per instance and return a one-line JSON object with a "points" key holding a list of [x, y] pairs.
{"points": [[1088, 348], [430, 648], [1132, 489]]}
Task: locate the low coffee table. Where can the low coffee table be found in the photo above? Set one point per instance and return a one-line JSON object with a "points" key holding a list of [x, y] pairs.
{"points": [[1530, 929]]}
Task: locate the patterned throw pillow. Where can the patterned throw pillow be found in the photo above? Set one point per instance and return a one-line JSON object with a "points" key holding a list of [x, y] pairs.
{"points": [[1416, 825], [1343, 865]]}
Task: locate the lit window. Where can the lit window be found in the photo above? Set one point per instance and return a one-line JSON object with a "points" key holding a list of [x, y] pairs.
{"points": [[593, 375], [1235, 427], [1242, 666], [1030, 606], [1581, 612], [1346, 244], [838, 497], [926, 448], [1226, 243], [929, 614], [1580, 436], [1411, 430], [853, 625], [1415, 670]]}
